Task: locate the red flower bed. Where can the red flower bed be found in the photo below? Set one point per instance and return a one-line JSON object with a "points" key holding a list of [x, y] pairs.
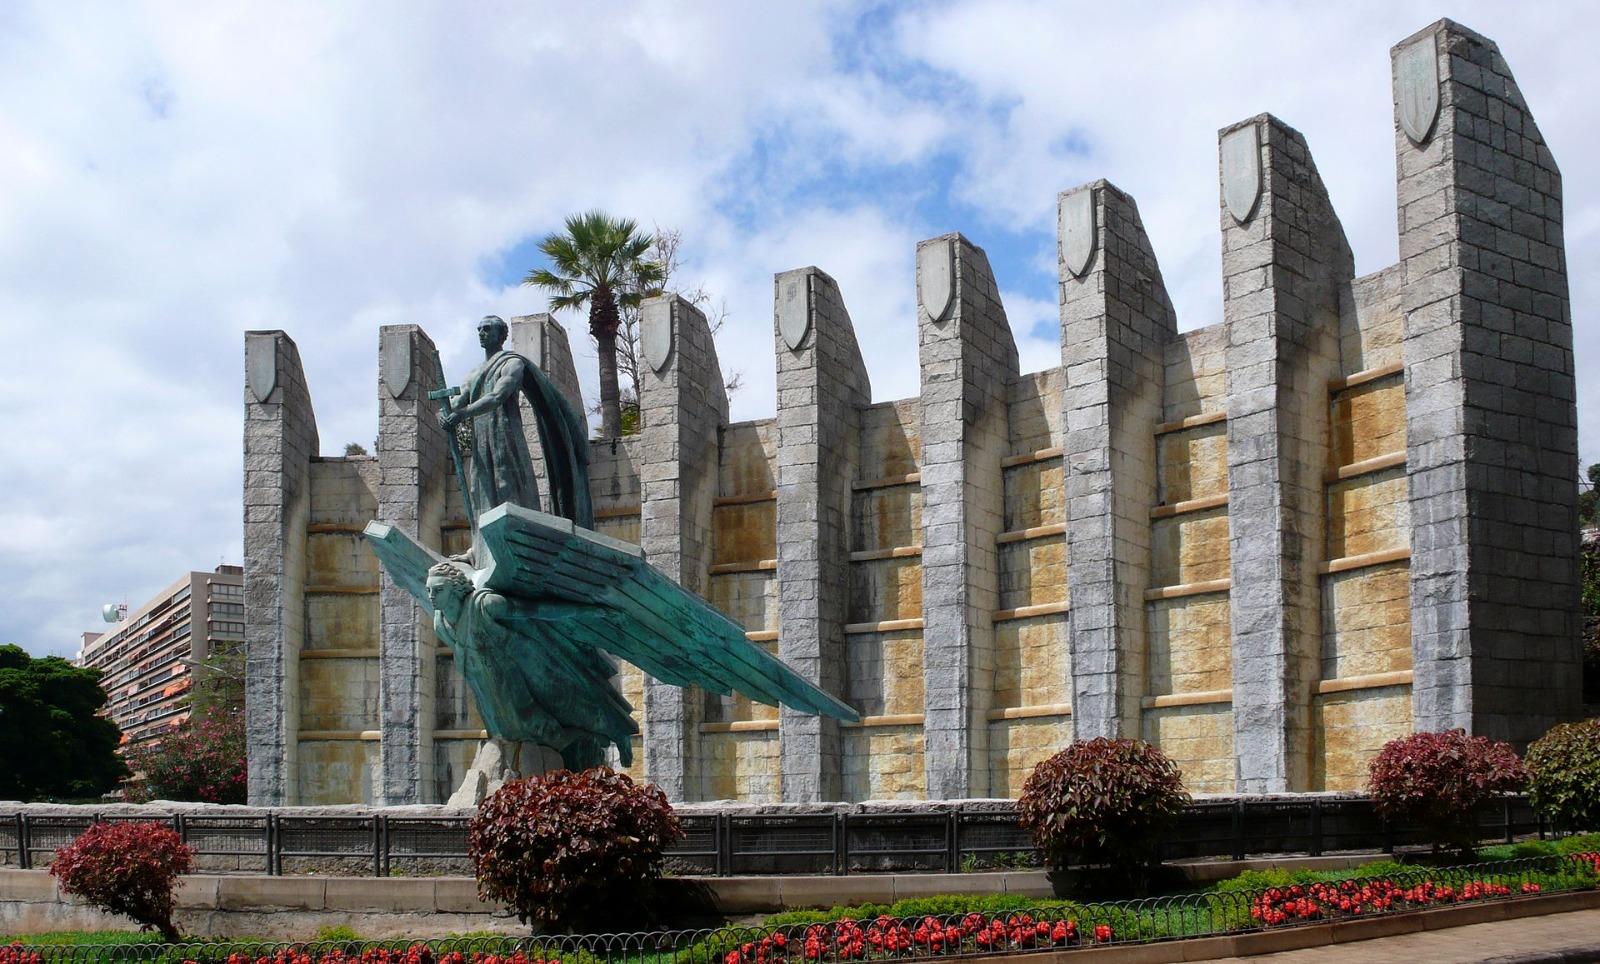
{"points": [[415, 954], [850, 940], [1303, 902]]}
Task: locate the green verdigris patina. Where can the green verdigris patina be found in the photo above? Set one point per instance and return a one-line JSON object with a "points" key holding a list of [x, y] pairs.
{"points": [[536, 611]]}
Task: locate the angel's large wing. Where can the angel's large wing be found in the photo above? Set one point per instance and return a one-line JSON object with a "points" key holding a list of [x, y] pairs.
{"points": [[405, 560], [651, 621]]}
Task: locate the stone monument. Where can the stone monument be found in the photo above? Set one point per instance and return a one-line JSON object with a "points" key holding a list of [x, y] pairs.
{"points": [[539, 605]]}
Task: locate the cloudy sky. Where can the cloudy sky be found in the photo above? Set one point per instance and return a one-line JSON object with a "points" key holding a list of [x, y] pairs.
{"points": [[172, 175]]}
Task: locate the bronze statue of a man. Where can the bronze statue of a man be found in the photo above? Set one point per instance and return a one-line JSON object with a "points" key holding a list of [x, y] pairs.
{"points": [[500, 468], [497, 463]]}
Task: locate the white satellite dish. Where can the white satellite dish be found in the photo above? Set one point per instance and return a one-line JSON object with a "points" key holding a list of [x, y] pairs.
{"points": [[114, 612]]}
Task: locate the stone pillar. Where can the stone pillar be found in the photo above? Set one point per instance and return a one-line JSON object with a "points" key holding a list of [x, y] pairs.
{"points": [[682, 410], [1116, 319], [822, 385], [1491, 423], [280, 439], [1284, 262], [968, 360], [413, 476], [543, 341]]}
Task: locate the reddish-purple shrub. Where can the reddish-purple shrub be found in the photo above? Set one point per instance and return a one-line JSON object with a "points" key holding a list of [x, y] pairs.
{"points": [[1103, 801], [126, 868], [1439, 780], [562, 847], [203, 761]]}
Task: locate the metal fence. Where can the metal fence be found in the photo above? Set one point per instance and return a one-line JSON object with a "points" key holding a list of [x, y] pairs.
{"points": [[732, 843], [979, 931]]}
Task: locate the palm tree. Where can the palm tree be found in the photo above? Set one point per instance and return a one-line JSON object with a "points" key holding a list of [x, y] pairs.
{"points": [[599, 261]]}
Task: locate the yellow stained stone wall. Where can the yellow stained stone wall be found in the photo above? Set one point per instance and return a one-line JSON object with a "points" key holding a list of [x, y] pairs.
{"points": [[887, 518], [1366, 612], [748, 461], [1196, 373], [1192, 547], [1371, 324], [1033, 572], [1369, 513], [339, 694], [1035, 495], [751, 600], [885, 589], [1036, 411], [1032, 667], [884, 669], [341, 602], [1190, 647], [885, 672], [891, 438], [337, 771], [1193, 463], [1366, 621], [1350, 728], [742, 766], [1188, 639], [1017, 746], [1199, 739], [1369, 420], [883, 763]]}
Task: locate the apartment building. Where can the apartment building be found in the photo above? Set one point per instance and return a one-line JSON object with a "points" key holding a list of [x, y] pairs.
{"points": [[148, 660]]}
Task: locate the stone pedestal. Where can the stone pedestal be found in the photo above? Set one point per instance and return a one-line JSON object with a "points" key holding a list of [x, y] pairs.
{"points": [[498, 761]]}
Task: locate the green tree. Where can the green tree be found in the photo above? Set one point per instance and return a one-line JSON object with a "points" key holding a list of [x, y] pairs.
{"points": [[602, 263], [53, 743], [1589, 498]]}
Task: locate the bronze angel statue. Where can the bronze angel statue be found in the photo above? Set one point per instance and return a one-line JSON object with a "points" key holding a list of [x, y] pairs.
{"points": [[541, 605]]}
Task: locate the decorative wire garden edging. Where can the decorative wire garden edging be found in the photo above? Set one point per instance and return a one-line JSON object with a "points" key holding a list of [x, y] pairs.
{"points": [[1062, 925], [732, 843]]}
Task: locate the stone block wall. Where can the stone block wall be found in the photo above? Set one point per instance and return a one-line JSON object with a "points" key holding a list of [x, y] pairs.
{"points": [[1270, 545]]}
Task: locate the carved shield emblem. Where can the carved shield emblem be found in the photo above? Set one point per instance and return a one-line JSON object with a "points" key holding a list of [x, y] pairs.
{"points": [[260, 363], [1076, 230], [1417, 75], [1241, 171], [794, 313], [394, 362], [936, 289], [655, 334]]}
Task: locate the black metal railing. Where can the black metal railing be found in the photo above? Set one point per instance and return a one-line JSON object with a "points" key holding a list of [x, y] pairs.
{"points": [[978, 932], [733, 843]]}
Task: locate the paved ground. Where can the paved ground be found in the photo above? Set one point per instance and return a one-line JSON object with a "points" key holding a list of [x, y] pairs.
{"points": [[1554, 937]]}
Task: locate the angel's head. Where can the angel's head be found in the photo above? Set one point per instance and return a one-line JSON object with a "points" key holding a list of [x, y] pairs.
{"points": [[448, 588]]}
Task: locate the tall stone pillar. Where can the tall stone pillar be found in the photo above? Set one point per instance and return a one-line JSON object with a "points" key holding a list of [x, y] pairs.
{"points": [[413, 476], [968, 360], [1284, 261], [541, 339], [1491, 422], [280, 439], [1116, 319], [822, 385], [683, 406]]}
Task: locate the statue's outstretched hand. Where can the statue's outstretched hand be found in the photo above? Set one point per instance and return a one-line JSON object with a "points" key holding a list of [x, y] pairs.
{"points": [[449, 420]]}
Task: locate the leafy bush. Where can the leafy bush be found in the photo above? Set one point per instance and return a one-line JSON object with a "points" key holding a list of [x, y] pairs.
{"points": [[1440, 780], [126, 868], [204, 761], [1564, 775], [561, 847], [1104, 801]]}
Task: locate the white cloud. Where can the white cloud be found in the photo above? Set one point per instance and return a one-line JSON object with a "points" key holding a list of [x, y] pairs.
{"points": [[178, 174]]}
